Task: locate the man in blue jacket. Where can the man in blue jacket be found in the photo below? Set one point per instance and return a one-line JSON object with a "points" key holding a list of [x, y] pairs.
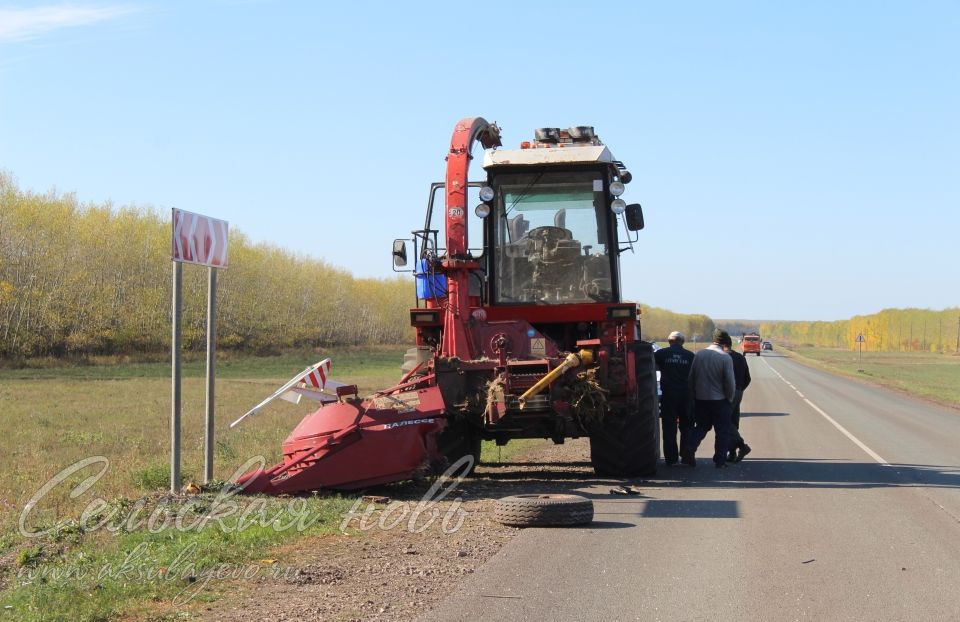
{"points": [[675, 411]]}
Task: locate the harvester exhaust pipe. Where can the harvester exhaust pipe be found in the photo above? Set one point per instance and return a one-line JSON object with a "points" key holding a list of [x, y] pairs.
{"points": [[584, 357]]}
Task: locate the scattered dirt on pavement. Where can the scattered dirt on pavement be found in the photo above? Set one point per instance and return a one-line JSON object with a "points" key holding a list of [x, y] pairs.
{"points": [[395, 573]]}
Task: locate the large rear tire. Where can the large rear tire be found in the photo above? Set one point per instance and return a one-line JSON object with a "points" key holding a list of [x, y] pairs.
{"points": [[627, 443]]}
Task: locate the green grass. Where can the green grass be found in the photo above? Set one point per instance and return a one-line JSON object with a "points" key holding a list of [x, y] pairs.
{"points": [[491, 454], [346, 361], [933, 376], [101, 575], [52, 420], [55, 417]]}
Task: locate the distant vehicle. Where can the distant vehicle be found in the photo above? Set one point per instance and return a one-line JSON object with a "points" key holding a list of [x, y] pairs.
{"points": [[750, 344], [766, 345]]}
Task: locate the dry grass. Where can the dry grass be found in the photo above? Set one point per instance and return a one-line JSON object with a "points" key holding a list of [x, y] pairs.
{"points": [[53, 418]]}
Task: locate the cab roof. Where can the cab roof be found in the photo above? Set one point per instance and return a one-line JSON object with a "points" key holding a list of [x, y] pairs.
{"points": [[587, 154]]}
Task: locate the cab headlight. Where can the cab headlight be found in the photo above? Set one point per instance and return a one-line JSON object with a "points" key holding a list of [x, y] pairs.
{"points": [[486, 193], [617, 206], [483, 210], [616, 188]]}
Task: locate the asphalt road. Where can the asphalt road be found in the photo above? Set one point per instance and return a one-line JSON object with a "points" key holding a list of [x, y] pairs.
{"points": [[848, 508]]}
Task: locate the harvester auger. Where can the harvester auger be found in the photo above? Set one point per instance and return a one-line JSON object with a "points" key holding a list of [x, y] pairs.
{"points": [[526, 337]]}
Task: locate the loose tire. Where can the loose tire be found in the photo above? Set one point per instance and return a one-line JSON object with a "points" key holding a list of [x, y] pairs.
{"points": [[543, 510], [627, 443]]}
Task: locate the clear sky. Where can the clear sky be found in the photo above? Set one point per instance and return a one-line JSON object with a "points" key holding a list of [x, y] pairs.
{"points": [[794, 160]]}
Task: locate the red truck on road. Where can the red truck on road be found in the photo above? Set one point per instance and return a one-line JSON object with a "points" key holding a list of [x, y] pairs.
{"points": [[750, 344]]}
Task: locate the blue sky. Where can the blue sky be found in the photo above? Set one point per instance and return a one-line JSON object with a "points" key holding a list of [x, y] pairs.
{"points": [[794, 160]]}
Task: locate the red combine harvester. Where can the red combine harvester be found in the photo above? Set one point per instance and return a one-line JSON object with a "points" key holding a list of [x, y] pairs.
{"points": [[526, 337]]}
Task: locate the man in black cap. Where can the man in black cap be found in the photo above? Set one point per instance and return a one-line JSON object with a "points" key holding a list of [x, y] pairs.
{"points": [[675, 412], [713, 386], [741, 374]]}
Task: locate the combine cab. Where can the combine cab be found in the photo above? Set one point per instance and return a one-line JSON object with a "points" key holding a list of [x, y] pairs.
{"points": [[524, 336]]}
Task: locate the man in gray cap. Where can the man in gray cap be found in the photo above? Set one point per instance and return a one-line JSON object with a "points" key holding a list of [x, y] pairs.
{"points": [[675, 412], [713, 387]]}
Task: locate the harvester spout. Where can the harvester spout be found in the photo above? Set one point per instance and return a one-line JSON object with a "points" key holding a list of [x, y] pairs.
{"points": [[456, 265]]}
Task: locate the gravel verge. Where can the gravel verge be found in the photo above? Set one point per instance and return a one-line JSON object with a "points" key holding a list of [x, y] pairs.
{"points": [[390, 565]]}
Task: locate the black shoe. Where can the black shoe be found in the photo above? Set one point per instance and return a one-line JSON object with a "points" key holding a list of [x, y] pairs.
{"points": [[744, 450], [688, 458], [732, 456]]}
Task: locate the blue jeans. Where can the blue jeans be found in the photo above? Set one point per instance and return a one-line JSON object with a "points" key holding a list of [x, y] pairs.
{"points": [[713, 414]]}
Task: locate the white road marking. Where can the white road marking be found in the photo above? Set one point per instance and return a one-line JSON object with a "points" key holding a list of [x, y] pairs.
{"points": [[856, 441]]}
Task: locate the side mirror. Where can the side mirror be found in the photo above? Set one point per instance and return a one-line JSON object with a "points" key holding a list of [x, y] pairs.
{"points": [[400, 253], [634, 215]]}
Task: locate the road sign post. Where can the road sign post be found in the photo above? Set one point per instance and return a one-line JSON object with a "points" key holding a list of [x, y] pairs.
{"points": [[175, 379], [200, 240], [211, 366], [860, 341]]}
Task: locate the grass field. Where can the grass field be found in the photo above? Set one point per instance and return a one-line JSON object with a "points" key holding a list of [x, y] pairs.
{"points": [[933, 376], [53, 417]]}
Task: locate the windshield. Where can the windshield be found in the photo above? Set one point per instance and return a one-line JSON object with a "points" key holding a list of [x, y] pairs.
{"points": [[551, 237]]}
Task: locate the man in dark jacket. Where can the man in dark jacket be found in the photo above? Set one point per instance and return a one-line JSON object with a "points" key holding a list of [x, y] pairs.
{"points": [[675, 412], [741, 374]]}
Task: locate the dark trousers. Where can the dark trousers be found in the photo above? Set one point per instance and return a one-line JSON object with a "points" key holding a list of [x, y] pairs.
{"points": [[736, 440], [675, 415], [713, 414]]}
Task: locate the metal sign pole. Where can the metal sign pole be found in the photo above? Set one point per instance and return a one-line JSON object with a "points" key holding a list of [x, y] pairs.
{"points": [[860, 341], [175, 380], [211, 362], [199, 240]]}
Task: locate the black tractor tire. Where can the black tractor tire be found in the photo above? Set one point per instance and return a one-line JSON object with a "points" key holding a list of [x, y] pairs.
{"points": [[627, 443], [543, 510], [457, 440]]}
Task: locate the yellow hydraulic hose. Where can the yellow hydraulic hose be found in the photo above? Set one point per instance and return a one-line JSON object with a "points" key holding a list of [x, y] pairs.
{"points": [[584, 357]]}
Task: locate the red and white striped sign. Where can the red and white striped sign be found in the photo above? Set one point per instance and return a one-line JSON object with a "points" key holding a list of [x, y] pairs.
{"points": [[318, 375], [199, 239]]}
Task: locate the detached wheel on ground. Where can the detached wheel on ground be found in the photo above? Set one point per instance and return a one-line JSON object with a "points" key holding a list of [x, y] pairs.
{"points": [[544, 510]]}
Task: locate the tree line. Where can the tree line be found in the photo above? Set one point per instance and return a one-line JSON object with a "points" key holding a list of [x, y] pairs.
{"points": [[83, 279], [656, 324], [890, 330], [95, 279]]}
